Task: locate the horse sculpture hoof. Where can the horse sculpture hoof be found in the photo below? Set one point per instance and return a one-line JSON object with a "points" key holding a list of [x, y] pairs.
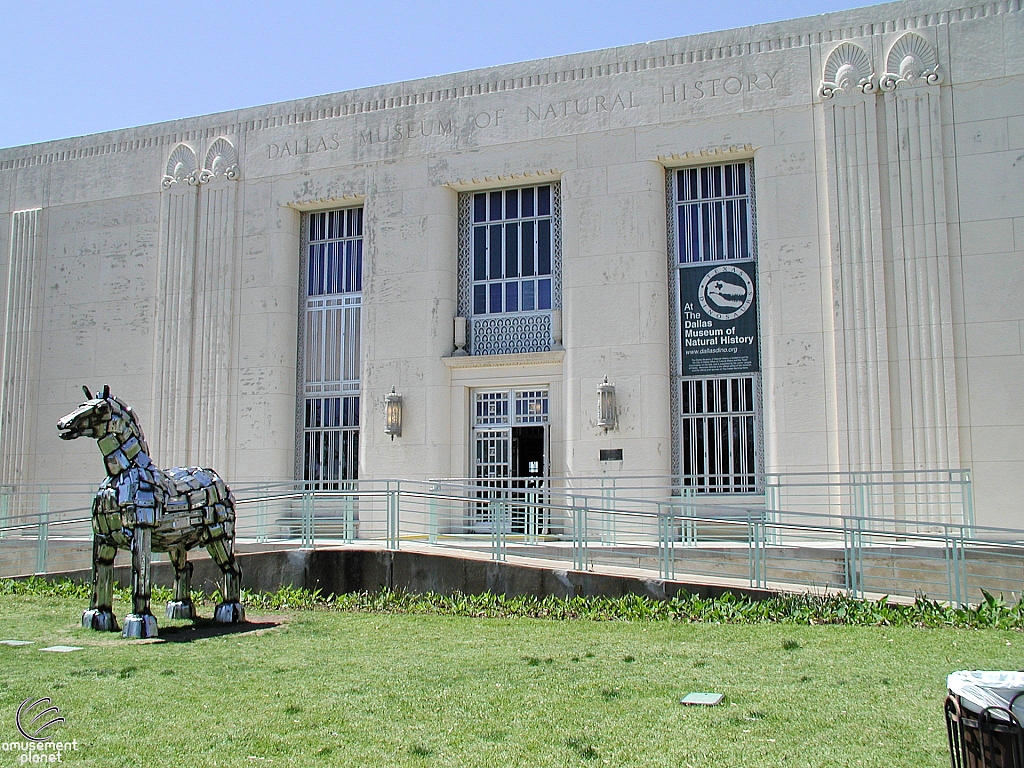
{"points": [[139, 626], [229, 613], [179, 609], [103, 621]]}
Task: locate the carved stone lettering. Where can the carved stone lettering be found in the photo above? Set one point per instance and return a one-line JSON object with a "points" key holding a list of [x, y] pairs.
{"points": [[586, 105], [381, 133], [398, 132], [716, 87], [307, 146], [385, 133], [491, 119]]}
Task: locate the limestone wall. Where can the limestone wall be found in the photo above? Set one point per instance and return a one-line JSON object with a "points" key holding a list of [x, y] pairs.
{"points": [[887, 147]]}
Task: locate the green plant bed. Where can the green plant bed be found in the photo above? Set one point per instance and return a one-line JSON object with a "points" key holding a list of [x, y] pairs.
{"points": [[370, 682]]}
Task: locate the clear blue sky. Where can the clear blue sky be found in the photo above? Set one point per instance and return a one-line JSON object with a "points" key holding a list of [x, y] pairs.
{"points": [[85, 66]]}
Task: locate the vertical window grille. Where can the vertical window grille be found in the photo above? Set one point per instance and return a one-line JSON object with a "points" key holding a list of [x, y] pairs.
{"points": [[718, 434], [331, 339], [331, 441], [512, 250], [718, 418], [492, 455], [491, 408], [510, 268], [505, 408], [713, 214], [531, 407]]}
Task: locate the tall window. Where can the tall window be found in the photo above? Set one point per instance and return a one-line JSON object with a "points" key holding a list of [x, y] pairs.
{"points": [[330, 389], [716, 368], [510, 268]]}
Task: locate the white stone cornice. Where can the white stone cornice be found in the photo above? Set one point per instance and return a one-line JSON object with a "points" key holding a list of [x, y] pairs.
{"points": [[345, 200], [731, 152], [498, 181]]}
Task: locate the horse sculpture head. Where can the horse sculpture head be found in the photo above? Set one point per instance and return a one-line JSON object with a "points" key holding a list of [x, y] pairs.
{"points": [[91, 419], [109, 420]]}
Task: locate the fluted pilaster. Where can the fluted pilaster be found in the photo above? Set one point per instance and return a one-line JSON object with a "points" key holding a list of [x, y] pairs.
{"points": [[858, 263], [20, 329], [193, 338], [928, 421]]}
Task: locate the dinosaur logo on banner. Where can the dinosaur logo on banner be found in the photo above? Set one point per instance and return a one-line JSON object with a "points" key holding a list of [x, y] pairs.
{"points": [[726, 292]]}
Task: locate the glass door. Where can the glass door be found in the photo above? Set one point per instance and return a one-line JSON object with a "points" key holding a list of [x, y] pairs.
{"points": [[510, 438]]}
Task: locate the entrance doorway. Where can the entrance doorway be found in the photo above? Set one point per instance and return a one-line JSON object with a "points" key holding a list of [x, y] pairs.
{"points": [[510, 448], [529, 452]]}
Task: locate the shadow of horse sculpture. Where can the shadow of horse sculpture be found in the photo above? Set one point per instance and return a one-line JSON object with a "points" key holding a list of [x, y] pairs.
{"points": [[144, 509]]}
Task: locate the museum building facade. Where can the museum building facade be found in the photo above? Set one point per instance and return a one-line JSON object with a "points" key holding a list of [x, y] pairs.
{"points": [[795, 247]]}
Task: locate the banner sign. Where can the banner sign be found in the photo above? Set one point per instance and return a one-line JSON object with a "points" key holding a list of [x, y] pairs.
{"points": [[719, 319]]}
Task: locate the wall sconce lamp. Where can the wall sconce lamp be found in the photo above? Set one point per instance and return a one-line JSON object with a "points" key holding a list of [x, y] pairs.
{"points": [[606, 405], [393, 414]]}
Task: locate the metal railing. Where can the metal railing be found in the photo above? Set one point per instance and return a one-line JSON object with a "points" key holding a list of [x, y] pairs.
{"points": [[584, 526], [908, 500]]}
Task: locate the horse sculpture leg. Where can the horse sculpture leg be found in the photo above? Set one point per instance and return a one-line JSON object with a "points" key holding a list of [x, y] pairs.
{"points": [[230, 611], [141, 622], [100, 615], [181, 607]]}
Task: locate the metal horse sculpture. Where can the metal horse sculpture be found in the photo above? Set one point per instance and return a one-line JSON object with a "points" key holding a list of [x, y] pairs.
{"points": [[144, 509]]}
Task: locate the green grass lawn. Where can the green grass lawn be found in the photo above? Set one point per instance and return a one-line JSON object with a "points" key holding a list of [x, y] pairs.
{"points": [[358, 688]]}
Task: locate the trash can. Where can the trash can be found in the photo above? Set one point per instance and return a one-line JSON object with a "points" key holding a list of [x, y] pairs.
{"points": [[984, 711]]}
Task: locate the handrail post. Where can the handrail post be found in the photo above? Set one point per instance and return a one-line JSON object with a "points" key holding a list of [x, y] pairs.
{"points": [[43, 531], [261, 520], [755, 548], [666, 543], [306, 535], [5, 508], [860, 499], [393, 533], [499, 509], [579, 536], [967, 502], [762, 531], [965, 574], [772, 504], [852, 557], [504, 525], [956, 566], [312, 520], [349, 510], [689, 523], [530, 512], [432, 514], [492, 518], [608, 497], [389, 503]]}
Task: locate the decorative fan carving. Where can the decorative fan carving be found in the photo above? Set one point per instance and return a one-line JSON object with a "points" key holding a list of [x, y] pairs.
{"points": [[221, 160], [847, 71], [911, 61], [182, 166]]}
